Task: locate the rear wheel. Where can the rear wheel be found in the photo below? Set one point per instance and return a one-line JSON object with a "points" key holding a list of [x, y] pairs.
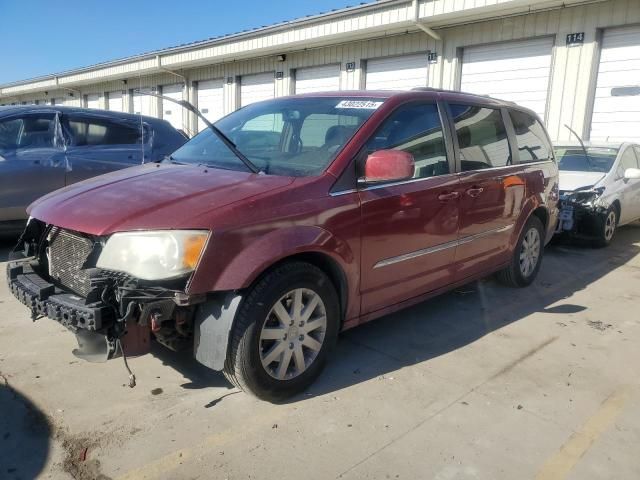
{"points": [[527, 256], [284, 330], [608, 227]]}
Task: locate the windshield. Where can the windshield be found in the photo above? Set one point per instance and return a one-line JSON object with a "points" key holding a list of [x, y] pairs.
{"points": [[598, 159], [294, 136]]}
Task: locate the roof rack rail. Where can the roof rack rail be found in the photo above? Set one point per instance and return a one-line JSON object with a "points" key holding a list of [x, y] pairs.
{"points": [[425, 89]]}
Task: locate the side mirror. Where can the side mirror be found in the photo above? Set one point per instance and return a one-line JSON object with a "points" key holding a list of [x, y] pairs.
{"points": [[632, 173], [388, 166]]}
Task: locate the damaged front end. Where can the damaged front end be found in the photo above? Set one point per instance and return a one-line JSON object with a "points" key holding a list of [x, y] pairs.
{"points": [[55, 273], [582, 212]]}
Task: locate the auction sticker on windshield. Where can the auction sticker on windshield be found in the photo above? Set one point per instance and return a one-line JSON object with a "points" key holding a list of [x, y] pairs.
{"points": [[364, 104]]}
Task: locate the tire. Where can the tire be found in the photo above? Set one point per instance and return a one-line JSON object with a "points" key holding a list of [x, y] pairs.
{"points": [[270, 357], [607, 228], [526, 260]]}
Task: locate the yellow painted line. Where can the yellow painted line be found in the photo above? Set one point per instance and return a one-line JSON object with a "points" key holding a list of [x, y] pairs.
{"points": [[161, 467], [561, 464]]}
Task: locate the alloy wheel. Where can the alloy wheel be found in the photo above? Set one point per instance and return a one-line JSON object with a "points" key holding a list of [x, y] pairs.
{"points": [[530, 252], [610, 225], [293, 334]]}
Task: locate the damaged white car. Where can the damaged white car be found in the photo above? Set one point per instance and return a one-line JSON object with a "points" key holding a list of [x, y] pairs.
{"points": [[599, 189]]}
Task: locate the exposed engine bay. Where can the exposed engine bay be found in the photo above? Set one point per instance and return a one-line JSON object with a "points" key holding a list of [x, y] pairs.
{"points": [[53, 271], [582, 211]]}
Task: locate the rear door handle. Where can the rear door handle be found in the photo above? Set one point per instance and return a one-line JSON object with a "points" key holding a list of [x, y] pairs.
{"points": [[444, 197], [474, 192]]}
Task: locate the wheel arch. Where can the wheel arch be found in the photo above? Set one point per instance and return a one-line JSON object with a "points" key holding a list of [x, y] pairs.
{"points": [[327, 264], [532, 209], [543, 215], [618, 206]]}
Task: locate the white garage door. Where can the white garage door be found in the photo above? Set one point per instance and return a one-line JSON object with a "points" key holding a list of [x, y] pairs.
{"points": [[318, 79], [115, 102], [210, 101], [172, 112], [514, 71], [255, 88], [93, 100], [616, 109], [397, 73], [142, 102]]}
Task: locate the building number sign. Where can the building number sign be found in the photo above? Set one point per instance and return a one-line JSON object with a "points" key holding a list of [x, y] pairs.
{"points": [[575, 38]]}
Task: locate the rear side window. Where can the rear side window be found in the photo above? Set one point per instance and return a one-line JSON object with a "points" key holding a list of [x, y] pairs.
{"points": [[482, 137], [533, 145], [415, 129], [91, 132]]}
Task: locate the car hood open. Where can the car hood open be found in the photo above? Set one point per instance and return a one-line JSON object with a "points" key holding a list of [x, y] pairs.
{"points": [[570, 181], [153, 196]]}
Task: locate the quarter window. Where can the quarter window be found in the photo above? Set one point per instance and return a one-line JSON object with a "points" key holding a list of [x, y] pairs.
{"points": [[532, 141], [482, 137], [415, 129]]}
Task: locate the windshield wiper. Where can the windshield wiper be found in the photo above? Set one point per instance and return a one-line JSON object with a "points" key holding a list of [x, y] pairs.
{"points": [[226, 140], [584, 150], [169, 158]]}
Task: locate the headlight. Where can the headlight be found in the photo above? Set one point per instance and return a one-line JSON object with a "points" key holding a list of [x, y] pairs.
{"points": [[585, 196], [155, 255]]}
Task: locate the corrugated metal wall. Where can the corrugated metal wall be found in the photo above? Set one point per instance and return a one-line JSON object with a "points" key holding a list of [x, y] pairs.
{"points": [[571, 84]]}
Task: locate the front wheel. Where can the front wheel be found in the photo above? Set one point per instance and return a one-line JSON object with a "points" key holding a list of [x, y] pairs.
{"points": [[607, 228], [527, 256], [283, 332]]}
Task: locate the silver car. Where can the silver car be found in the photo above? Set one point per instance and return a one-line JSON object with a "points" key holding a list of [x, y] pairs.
{"points": [[43, 148]]}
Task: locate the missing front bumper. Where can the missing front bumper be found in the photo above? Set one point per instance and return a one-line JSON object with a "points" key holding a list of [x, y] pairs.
{"points": [[44, 299], [581, 220]]}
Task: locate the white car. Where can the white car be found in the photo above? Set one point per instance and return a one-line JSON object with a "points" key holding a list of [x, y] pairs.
{"points": [[599, 189]]}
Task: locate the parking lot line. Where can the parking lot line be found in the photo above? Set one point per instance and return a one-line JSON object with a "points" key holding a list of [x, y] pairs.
{"points": [[561, 464]]}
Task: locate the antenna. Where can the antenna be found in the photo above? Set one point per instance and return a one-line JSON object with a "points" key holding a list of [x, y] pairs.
{"points": [[141, 122]]}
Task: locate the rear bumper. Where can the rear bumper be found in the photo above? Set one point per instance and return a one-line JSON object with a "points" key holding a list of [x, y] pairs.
{"points": [[46, 299]]}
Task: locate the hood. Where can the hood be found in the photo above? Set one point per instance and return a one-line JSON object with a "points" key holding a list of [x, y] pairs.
{"points": [[570, 181], [152, 196]]}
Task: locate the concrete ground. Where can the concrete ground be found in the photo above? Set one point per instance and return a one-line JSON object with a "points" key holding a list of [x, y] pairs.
{"points": [[483, 383]]}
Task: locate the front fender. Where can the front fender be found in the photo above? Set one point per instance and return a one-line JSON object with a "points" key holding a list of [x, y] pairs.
{"points": [[250, 260]]}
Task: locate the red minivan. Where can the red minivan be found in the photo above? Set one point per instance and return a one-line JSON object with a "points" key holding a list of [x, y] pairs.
{"points": [[288, 221]]}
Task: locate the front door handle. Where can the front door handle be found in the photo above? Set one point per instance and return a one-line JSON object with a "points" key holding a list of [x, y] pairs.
{"points": [[445, 197], [475, 192]]}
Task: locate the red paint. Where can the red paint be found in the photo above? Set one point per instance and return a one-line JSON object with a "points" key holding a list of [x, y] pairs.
{"points": [[389, 165], [259, 220]]}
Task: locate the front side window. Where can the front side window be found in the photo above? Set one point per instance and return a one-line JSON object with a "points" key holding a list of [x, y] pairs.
{"points": [[290, 136], [32, 131], [627, 160], [482, 137], [415, 129], [533, 145], [87, 131]]}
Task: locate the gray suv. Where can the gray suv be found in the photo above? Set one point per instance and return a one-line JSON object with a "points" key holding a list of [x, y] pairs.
{"points": [[44, 148]]}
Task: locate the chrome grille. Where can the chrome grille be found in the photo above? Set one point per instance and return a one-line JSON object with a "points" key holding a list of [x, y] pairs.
{"points": [[67, 253]]}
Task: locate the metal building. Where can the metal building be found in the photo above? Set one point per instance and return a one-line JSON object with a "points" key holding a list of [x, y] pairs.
{"points": [[575, 62]]}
